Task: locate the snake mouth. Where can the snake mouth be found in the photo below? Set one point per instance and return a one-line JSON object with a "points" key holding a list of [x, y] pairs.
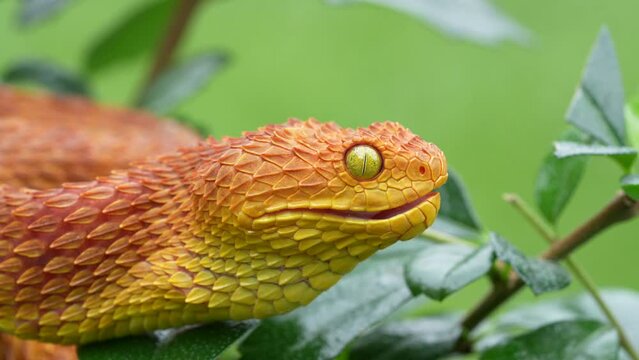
{"points": [[414, 214], [378, 215]]}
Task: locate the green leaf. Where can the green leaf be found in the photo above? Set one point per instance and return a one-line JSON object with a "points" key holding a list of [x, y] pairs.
{"points": [[540, 275], [597, 106], [558, 179], [623, 155], [456, 214], [630, 185], [322, 329], [182, 81], [632, 122], [135, 35], [415, 339], [47, 75], [478, 21], [440, 270], [34, 11], [199, 343], [623, 304], [579, 339]]}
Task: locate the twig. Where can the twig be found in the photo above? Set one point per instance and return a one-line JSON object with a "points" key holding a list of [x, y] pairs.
{"points": [[621, 208], [170, 41], [550, 235]]}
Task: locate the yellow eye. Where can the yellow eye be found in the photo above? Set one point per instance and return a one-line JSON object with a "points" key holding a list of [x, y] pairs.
{"points": [[363, 162]]}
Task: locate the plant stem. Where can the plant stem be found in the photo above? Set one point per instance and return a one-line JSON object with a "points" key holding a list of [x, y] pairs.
{"points": [[550, 235], [171, 39], [546, 231], [443, 238], [621, 208]]}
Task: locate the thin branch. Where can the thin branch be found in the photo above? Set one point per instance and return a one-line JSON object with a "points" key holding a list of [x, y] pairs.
{"points": [[171, 39], [546, 231], [550, 235], [621, 208]]}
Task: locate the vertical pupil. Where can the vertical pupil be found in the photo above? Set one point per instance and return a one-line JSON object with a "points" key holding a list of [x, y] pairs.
{"points": [[364, 164]]}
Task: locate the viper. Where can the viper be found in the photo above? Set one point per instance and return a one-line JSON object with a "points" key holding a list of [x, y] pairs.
{"points": [[114, 223]]}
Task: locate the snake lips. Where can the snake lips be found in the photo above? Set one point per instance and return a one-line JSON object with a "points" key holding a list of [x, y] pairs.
{"points": [[238, 228]]}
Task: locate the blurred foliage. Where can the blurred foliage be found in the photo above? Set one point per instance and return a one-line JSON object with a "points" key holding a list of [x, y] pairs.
{"points": [[342, 321], [476, 20], [132, 37], [48, 75]]}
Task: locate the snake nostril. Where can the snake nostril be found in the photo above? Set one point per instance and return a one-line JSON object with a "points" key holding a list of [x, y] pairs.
{"points": [[422, 169]]}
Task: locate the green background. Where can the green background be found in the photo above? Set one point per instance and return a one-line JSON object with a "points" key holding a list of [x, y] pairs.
{"points": [[493, 110]]}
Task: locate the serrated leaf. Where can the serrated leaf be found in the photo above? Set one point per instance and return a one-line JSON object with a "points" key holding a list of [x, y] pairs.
{"points": [[623, 304], [540, 275], [579, 339], [440, 270], [33, 11], [199, 343], [134, 35], [48, 75], [630, 185], [597, 106], [477, 20], [456, 215], [623, 155], [182, 81], [415, 339], [323, 328], [558, 179]]}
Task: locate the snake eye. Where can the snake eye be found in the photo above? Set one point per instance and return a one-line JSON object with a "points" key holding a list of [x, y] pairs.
{"points": [[363, 162]]}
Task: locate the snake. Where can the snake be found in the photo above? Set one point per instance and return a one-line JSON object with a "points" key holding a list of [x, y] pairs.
{"points": [[114, 222]]}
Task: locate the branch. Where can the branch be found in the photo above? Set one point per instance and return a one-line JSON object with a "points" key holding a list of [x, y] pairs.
{"points": [[169, 43], [550, 235], [621, 208]]}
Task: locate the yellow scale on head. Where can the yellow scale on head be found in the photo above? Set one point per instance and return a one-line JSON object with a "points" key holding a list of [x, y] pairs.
{"points": [[240, 228]]}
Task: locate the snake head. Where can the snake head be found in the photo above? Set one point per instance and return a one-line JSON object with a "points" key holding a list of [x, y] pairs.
{"points": [[320, 192]]}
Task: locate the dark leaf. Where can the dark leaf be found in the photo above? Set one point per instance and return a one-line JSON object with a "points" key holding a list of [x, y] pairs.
{"points": [[597, 106], [195, 343], [47, 75], [321, 329], [623, 155], [456, 215], [579, 339], [182, 81], [558, 179], [33, 11], [476, 20], [415, 339], [630, 185], [137, 34], [128, 348], [440, 270], [540, 275]]}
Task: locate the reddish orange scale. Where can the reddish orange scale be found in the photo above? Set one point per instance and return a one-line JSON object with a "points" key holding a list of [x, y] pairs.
{"points": [[239, 228]]}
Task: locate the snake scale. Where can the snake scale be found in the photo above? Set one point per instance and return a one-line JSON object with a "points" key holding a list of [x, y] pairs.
{"points": [[201, 230]]}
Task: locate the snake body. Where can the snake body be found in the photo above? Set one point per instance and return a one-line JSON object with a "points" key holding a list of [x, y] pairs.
{"points": [[239, 228]]}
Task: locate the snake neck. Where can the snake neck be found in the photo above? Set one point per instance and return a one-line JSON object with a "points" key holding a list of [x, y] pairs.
{"points": [[67, 255]]}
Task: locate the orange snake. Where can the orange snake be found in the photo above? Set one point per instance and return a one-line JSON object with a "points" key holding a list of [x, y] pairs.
{"points": [[239, 228]]}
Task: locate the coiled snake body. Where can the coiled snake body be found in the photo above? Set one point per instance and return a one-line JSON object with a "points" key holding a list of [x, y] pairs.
{"points": [[239, 228]]}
